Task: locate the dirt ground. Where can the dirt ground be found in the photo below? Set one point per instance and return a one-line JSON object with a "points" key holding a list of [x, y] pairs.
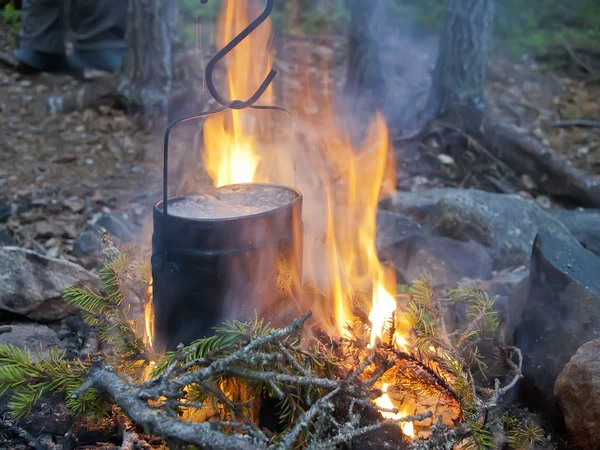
{"points": [[57, 172]]}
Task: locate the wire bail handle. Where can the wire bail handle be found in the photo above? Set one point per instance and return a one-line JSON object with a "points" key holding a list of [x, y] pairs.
{"points": [[226, 104]]}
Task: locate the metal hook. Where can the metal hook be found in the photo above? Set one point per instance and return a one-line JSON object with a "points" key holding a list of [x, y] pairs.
{"points": [[238, 104]]}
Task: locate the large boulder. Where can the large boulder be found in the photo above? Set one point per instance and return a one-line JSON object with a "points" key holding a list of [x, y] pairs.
{"points": [[562, 312], [35, 337], [444, 260], [510, 290], [417, 205], [583, 224], [507, 224], [394, 227], [577, 390], [31, 285], [414, 252]]}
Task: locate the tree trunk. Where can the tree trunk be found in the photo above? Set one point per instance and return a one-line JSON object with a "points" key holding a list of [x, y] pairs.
{"points": [[365, 74], [147, 73], [459, 76]]}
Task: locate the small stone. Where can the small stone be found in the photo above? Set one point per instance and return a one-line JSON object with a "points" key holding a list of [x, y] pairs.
{"points": [[89, 162], [54, 252], [526, 195], [582, 151], [75, 204], [445, 159], [26, 83], [87, 244], [543, 201], [528, 182]]}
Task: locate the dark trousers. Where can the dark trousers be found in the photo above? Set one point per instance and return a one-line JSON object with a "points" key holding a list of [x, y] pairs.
{"points": [[95, 27]]}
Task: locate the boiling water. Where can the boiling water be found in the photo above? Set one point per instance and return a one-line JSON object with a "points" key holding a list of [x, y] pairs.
{"points": [[232, 201]]}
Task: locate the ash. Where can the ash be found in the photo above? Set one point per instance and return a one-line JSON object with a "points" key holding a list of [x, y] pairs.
{"points": [[233, 201]]}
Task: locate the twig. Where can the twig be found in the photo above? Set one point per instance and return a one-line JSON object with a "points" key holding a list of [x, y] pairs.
{"points": [[204, 435], [346, 434], [24, 435], [576, 123], [498, 392], [580, 62], [475, 143]]}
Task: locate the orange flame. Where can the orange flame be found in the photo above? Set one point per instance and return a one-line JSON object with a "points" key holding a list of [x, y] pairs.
{"points": [[341, 181], [386, 402], [229, 137]]}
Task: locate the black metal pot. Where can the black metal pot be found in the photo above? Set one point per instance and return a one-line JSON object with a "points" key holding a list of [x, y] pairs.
{"points": [[223, 269]]}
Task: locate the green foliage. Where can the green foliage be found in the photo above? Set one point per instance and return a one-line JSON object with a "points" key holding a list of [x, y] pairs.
{"points": [[228, 338], [521, 432], [446, 358], [12, 17], [105, 311], [27, 380], [481, 439], [520, 27]]}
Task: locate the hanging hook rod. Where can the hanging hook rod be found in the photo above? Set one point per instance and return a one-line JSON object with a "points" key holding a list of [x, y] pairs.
{"points": [[239, 104]]}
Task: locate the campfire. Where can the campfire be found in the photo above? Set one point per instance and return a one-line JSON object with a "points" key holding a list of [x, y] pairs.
{"points": [[245, 249], [269, 320]]}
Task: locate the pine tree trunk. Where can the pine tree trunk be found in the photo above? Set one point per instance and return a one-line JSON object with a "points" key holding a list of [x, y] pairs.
{"points": [[459, 76], [365, 73], [147, 73]]}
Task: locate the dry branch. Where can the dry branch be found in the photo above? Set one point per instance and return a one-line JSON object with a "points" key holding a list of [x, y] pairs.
{"points": [[161, 418], [521, 153], [576, 123], [83, 97], [526, 155]]}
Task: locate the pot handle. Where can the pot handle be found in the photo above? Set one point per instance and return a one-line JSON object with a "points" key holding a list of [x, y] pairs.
{"points": [[233, 104]]}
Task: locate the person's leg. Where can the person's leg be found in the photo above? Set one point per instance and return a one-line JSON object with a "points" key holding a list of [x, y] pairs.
{"points": [[99, 34], [42, 37]]}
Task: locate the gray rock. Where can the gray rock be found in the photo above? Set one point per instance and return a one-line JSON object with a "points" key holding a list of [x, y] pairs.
{"points": [[562, 312], [444, 260], [394, 227], [87, 244], [35, 337], [32, 285], [7, 237], [510, 291], [577, 390], [583, 224], [507, 224], [417, 205], [117, 226]]}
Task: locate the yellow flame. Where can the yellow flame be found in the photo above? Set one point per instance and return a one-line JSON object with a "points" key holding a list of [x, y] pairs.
{"points": [[386, 402], [383, 307], [229, 137], [341, 180], [149, 317]]}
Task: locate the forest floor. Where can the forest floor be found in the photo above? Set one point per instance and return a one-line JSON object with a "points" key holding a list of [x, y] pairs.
{"points": [[59, 171]]}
